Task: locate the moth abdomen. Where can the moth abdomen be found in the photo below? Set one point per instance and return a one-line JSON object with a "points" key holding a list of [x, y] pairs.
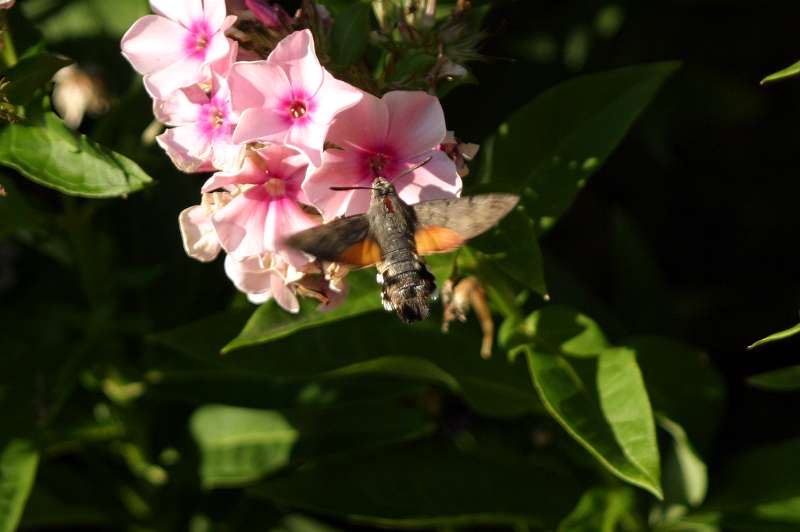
{"points": [[407, 287]]}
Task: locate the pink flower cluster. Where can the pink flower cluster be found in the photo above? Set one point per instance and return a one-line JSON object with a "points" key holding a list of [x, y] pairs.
{"points": [[277, 133]]}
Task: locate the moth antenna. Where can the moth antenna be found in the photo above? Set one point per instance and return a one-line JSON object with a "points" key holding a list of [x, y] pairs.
{"points": [[415, 167], [351, 188]]}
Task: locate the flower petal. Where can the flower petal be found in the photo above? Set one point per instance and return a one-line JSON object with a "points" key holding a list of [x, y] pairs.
{"points": [[283, 295], [183, 73], [260, 124], [240, 224], [363, 126], [183, 11], [199, 238], [416, 122], [333, 97], [257, 84], [309, 138], [339, 168], [187, 148], [181, 108], [250, 275], [437, 179], [249, 173], [214, 12], [154, 43]]}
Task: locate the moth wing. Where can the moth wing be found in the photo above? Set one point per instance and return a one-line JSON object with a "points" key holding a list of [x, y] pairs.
{"points": [[443, 225], [345, 240]]}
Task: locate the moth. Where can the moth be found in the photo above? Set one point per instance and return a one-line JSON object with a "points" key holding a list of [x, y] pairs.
{"points": [[393, 236]]}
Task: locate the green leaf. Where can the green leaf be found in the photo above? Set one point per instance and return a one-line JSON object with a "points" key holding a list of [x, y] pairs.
{"points": [[599, 510], [31, 74], [240, 445], [350, 34], [270, 322], [427, 484], [626, 405], [548, 149], [623, 443], [782, 380], [379, 344], [18, 462], [513, 247], [786, 73], [16, 214], [776, 336], [562, 330], [685, 475], [50, 154]]}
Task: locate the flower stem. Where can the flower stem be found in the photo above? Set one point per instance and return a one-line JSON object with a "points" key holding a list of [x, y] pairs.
{"points": [[9, 53]]}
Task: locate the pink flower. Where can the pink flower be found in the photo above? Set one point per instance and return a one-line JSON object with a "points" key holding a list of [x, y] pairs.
{"points": [[204, 123], [289, 98], [384, 137], [266, 204], [264, 277], [175, 47]]}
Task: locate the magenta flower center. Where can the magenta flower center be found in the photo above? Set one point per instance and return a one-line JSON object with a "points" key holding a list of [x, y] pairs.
{"points": [[214, 120], [275, 187], [297, 109], [197, 41]]}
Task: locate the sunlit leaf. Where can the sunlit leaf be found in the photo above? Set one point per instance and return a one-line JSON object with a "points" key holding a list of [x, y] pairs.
{"points": [[548, 149], [576, 404], [783, 380], [599, 510], [427, 484], [52, 155], [788, 72], [780, 335], [18, 462]]}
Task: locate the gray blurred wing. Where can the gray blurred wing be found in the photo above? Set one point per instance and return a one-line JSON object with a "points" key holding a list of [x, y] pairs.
{"points": [[332, 240], [468, 216]]}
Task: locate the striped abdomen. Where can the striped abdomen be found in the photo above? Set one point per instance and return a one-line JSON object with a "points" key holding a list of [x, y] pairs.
{"points": [[407, 284]]}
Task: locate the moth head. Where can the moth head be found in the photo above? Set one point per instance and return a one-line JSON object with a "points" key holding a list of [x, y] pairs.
{"points": [[381, 188]]}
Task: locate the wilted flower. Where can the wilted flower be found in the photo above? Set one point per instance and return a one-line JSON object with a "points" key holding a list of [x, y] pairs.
{"points": [[197, 232], [289, 98], [77, 92], [385, 137], [460, 152], [266, 204], [175, 47]]}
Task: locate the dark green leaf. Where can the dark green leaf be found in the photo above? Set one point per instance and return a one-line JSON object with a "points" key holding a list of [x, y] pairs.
{"points": [[561, 330], [678, 378], [574, 403], [16, 214], [425, 485], [50, 154], [350, 34], [599, 510], [786, 73], [549, 148], [31, 74], [513, 247], [270, 322], [783, 380], [239, 445], [776, 336], [18, 462], [685, 476]]}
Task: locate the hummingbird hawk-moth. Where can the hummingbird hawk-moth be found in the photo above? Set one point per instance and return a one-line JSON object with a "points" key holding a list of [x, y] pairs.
{"points": [[394, 235]]}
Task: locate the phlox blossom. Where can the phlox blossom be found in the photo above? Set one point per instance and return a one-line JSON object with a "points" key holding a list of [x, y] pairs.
{"points": [[289, 98], [384, 137], [204, 122], [264, 277], [266, 207], [175, 47]]}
